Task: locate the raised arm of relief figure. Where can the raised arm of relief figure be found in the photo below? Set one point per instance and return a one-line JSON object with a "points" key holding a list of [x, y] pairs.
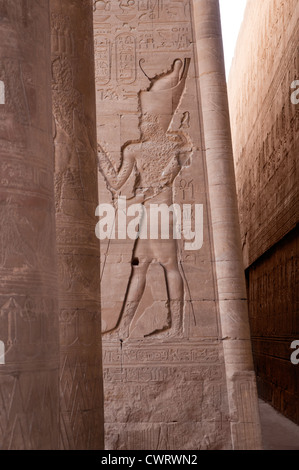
{"points": [[115, 178]]}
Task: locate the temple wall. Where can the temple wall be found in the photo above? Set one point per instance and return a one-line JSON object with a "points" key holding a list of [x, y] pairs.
{"points": [[265, 121], [178, 369], [29, 365]]}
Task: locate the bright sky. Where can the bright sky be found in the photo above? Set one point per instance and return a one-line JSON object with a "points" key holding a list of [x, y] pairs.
{"points": [[232, 13]]}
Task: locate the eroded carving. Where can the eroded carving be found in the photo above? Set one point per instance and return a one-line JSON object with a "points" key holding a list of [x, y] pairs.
{"points": [[76, 198], [62, 35], [72, 139], [23, 241]]}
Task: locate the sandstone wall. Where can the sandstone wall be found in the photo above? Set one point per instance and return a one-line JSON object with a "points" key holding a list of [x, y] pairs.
{"points": [[274, 317], [178, 370], [265, 126], [50, 335], [76, 199], [29, 368]]}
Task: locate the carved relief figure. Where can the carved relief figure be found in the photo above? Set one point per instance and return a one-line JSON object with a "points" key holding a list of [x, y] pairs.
{"points": [[74, 177], [71, 134], [154, 161]]}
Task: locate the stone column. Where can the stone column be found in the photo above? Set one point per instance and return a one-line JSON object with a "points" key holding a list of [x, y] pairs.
{"points": [[76, 202], [29, 359], [242, 396]]}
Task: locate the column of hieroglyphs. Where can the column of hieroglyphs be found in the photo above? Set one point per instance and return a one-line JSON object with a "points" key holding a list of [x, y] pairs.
{"points": [[76, 202], [170, 378], [233, 311], [29, 363]]}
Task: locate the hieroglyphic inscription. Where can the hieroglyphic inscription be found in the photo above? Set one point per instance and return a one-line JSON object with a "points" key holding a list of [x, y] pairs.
{"points": [[142, 375], [125, 58], [150, 25], [164, 37], [149, 148], [29, 391], [76, 199], [102, 60], [160, 355], [265, 158]]}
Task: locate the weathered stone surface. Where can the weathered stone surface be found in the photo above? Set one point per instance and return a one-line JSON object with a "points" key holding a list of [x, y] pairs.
{"points": [[178, 369], [29, 363], [265, 124], [76, 200], [273, 296], [265, 120]]}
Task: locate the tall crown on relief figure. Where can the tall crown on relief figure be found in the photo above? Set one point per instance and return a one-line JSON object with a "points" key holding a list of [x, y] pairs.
{"points": [[163, 96]]}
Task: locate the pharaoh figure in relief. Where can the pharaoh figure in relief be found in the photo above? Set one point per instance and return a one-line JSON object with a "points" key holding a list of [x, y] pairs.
{"points": [[153, 301]]}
